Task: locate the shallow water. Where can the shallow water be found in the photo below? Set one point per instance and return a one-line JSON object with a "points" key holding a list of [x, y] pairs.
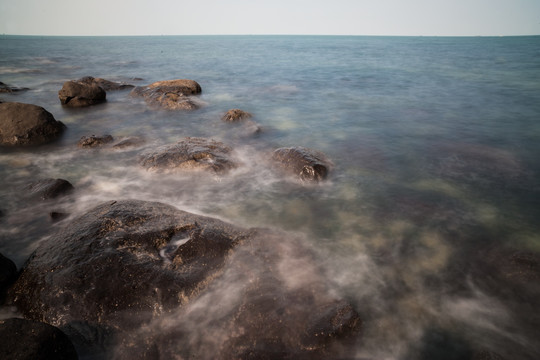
{"points": [[435, 143]]}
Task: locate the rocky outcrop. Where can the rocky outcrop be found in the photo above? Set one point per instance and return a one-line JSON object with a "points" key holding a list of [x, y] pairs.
{"points": [[27, 124], [190, 154], [93, 141], [81, 93], [46, 189], [32, 340], [106, 85], [4, 88], [170, 94], [306, 164], [201, 287], [235, 115]]}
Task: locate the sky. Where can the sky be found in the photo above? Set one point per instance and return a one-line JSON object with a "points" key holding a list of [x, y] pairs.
{"points": [[318, 17]]}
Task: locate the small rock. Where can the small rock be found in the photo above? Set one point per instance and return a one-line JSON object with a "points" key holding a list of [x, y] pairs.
{"points": [[94, 141], [235, 115], [49, 188], [80, 93], [307, 164], [4, 88], [170, 94]]}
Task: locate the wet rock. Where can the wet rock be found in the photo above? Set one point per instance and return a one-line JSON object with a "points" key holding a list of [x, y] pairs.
{"points": [[32, 340], [309, 165], [202, 288], [132, 141], [80, 93], [235, 115], [57, 216], [27, 124], [94, 141], [190, 154], [106, 85], [49, 188], [170, 94], [8, 274], [4, 88]]}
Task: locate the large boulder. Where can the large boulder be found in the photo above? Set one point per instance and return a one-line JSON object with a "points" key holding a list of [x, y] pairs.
{"points": [[170, 94], [190, 154], [306, 164], [32, 340], [172, 284], [27, 124], [80, 93]]}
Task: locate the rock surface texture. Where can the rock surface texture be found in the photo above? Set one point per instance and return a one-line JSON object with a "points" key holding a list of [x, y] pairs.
{"points": [[235, 115], [31, 340], [202, 288], [170, 94], [94, 141], [190, 154], [81, 93], [306, 164], [27, 124]]}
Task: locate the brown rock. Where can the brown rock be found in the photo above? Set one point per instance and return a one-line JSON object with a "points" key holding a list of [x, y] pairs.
{"points": [[81, 93], [235, 115], [27, 124], [170, 94], [94, 141], [307, 164]]}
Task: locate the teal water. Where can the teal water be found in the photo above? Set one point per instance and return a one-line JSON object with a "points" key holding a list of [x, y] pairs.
{"points": [[435, 143]]}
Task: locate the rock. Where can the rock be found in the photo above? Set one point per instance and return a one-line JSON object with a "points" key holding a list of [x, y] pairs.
{"points": [[4, 88], [57, 216], [27, 124], [8, 274], [179, 285], [80, 93], [235, 115], [170, 94], [309, 165], [190, 154], [94, 141], [106, 85], [31, 340], [49, 188], [132, 141]]}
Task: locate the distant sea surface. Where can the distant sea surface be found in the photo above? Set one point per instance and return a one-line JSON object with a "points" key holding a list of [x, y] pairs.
{"points": [[435, 143]]}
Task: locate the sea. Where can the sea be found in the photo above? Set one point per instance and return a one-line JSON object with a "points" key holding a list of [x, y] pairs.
{"points": [[429, 221]]}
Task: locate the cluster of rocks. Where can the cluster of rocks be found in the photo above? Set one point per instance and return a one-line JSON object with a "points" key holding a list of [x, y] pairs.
{"points": [[124, 266]]}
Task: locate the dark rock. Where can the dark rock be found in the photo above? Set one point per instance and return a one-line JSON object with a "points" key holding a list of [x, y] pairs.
{"points": [[49, 188], [4, 88], [57, 216], [307, 164], [8, 273], [170, 94], [94, 141], [235, 115], [106, 85], [81, 93], [27, 124], [31, 340], [186, 278], [190, 154]]}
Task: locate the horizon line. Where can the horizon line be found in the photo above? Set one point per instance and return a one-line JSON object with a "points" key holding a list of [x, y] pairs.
{"points": [[350, 35]]}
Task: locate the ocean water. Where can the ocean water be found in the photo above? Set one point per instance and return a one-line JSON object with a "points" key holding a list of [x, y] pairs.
{"points": [[428, 218]]}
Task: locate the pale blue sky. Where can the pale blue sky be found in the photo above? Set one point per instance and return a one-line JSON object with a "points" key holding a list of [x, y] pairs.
{"points": [[339, 17]]}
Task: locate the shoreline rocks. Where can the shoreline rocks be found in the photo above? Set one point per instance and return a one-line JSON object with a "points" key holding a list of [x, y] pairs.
{"points": [[26, 124], [170, 94], [190, 154]]}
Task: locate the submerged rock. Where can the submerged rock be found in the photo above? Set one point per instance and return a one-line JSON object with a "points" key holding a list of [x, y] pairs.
{"points": [[4, 88], [32, 340], [132, 141], [190, 154], [172, 284], [94, 141], [170, 94], [235, 115], [49, 188], [309, 165], [106, 85], [27, 124], [80, 93]]}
